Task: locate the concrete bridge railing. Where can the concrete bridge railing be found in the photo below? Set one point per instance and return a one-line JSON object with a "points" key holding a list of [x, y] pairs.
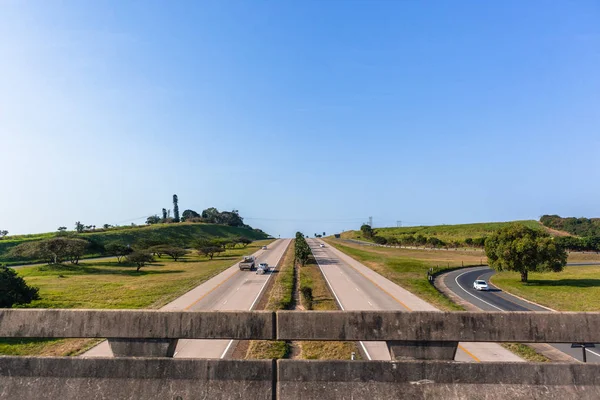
{"points": [[143, 342]]}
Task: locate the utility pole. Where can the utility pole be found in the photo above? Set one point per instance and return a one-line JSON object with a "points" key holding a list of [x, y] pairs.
{"points": [[399, 224]]}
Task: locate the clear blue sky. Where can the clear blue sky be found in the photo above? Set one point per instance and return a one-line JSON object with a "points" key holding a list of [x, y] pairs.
{"points": [[303, 115]]}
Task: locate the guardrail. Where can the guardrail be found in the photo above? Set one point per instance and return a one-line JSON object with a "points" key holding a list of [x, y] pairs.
{"points": [[153, 334]]}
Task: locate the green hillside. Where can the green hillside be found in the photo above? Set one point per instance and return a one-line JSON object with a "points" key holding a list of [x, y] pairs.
{"points": [[446, 233], [185, 234]]}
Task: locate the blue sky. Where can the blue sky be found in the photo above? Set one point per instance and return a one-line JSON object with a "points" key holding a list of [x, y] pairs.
{"points": [[303, 115]]}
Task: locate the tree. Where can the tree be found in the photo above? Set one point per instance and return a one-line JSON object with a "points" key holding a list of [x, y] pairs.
{"points": [[379, 239], [62, 229], [118, 250], [210, 250], [75, 249], [367, 231], [53, 251], [302, 252], [189, 214], [522, 249], [14, 290], [175, 208], [107, 226], [153, 219], [79, 227], [158, 250], [140, 258], [175, 252], [211, 215], [164, 214], [469, 241], [245, 241], [3, 233]]}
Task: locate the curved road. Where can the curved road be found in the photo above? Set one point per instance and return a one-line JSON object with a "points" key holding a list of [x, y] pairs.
{"points": [[461, 283]]}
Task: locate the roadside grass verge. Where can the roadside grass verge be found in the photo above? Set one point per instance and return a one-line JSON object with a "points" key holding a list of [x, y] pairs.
{"points": [[311, 277], [525, 352], [410, 273], [573, 289], [280, 298], [107, 284]]}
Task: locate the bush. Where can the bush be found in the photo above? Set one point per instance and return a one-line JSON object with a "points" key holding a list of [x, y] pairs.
{"points": [[14, 290], [307, 296]]}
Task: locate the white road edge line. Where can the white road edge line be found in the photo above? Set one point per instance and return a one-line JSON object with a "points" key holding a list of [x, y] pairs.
{"points": [[459, 285], [339, 302], [471, 294], [257, 297]]}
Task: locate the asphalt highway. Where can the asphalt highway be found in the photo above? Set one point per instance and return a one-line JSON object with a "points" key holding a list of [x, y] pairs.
{"points": [[232, 289], [461, 283], [357, 287]]}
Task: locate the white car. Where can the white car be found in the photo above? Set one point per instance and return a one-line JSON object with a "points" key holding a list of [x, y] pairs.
{"points": [[322, 245], [262, 268], [264, 247], [480, 285]]}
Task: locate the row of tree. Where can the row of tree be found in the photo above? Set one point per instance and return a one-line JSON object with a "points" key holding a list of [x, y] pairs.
{"points": [[302, 252], [419, 240], [575, 226], [61, 249]]}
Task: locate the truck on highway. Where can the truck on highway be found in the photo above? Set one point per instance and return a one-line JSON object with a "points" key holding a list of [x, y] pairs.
{"points": [[247, 263]]}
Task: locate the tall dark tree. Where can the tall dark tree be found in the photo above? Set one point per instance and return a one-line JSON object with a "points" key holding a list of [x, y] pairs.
{"points": [[175, 208], [164, 213]]}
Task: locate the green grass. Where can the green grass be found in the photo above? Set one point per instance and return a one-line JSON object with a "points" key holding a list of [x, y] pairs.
{"points": [[525, 352], [573, 289], [184, 233], [311, 276], [410, 273], [445, 232], [280, 298], [107, 284]]}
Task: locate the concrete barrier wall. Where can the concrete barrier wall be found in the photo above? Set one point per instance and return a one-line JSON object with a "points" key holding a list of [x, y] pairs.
{"points": [[49, 323], [540, 327], [134, 378], [329, 380], [181, 379]]}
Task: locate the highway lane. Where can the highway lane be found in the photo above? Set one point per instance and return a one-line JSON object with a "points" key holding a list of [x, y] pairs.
{"points": [[357, 287], [461, 281], [232, 289]]}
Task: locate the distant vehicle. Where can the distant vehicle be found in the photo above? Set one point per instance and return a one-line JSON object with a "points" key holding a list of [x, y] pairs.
{"points": [[322, 245], [480, 285], [247, 263], [264, 247], [262, 268]]}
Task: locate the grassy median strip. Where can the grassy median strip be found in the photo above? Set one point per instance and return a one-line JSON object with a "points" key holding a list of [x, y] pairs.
{"points": [[281, 298], [108, 284], [321, 299], [573, 289], [407, 272]]}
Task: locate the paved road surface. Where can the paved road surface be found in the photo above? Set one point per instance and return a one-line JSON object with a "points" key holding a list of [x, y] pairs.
{"points": [[357, 287], [232, 289], [461, 283]]}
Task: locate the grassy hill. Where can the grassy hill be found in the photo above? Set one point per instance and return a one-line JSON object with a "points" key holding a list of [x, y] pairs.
{"points": [[446, 233], [184, 233]]}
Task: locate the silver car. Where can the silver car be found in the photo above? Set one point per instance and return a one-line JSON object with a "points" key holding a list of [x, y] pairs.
{"points": [[480, 285]]}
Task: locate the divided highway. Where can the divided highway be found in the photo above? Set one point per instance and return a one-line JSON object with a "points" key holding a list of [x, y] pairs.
{"points": [[357, 287], [230, 290], [460, 282]]}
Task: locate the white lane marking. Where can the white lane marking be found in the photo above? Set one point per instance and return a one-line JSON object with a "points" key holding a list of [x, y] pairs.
{"points": [[339, 302], [593, 352], [254, 302], [371, 304], [471, 294], [227, 348], [357, 289], [225, 302]]}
